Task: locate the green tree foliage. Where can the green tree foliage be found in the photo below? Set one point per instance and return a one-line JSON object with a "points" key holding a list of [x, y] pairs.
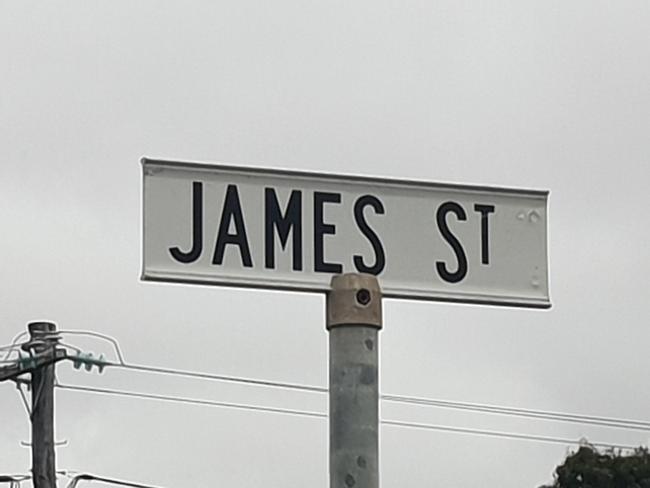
{"points": [[589, 468]]}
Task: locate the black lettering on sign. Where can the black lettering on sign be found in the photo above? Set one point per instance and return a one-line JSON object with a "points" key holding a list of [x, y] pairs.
{"points": [[197, 228], [290, 221], [321, 229], [441, 218], [485, 211], [232, 211], [380, 256]]}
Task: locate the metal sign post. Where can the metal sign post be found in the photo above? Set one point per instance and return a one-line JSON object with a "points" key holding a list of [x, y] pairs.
{"points": [[354, 318]]}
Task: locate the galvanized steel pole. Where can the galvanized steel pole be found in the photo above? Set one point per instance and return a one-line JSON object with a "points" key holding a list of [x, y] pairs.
{"points": [[354, 318], [43, 340]]}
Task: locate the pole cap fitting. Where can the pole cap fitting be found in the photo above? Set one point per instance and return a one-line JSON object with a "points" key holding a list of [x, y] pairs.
{"points": [[43, 335], [354, 299], [41, 327]]}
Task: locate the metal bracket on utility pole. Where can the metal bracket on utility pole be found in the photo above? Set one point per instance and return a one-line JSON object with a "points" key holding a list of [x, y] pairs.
{"points": [[29, 364], [354, 318]]}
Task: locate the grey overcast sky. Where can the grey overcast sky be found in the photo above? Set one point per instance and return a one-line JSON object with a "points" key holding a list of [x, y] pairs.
{"points": [[542, 94]]}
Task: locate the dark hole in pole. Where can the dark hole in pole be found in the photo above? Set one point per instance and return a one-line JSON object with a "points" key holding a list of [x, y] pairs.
{"points": [[363, 296]]}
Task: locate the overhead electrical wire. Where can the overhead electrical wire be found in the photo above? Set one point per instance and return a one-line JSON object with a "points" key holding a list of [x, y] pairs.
{"points": [[14, 344], [14, 480], [449, 404], [418, 401], [218, 377], [178, 399], [612, 422], [91, 477], [523, 412], [506, 435], [395, 423], [105, 337]]}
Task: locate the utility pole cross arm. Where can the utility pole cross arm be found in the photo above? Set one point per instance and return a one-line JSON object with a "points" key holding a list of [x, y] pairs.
{"points": [[30, 364]]}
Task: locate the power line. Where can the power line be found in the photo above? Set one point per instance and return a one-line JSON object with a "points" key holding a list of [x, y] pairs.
{"points": [[90, 477], [506, 435], [217, 377], [105, 337], [187, 400], [14, 344], [396, 423], [523, 412], [613, 422], [13, 480]]}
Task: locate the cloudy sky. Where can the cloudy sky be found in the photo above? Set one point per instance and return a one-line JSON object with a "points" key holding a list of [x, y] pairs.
{"points": [[550, 95]]}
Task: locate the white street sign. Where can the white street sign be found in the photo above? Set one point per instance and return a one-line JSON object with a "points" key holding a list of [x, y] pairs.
{"points": [[263, 228]]}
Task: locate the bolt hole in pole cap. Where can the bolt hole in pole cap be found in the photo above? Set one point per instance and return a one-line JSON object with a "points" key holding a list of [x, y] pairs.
{"points": [[354, 299]]}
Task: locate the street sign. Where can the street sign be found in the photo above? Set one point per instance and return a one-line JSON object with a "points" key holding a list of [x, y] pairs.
{"points": [[290, 230]]}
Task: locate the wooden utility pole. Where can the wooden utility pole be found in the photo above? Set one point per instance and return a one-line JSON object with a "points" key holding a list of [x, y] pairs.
{"points": [[354, 318], [43, 340]]}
